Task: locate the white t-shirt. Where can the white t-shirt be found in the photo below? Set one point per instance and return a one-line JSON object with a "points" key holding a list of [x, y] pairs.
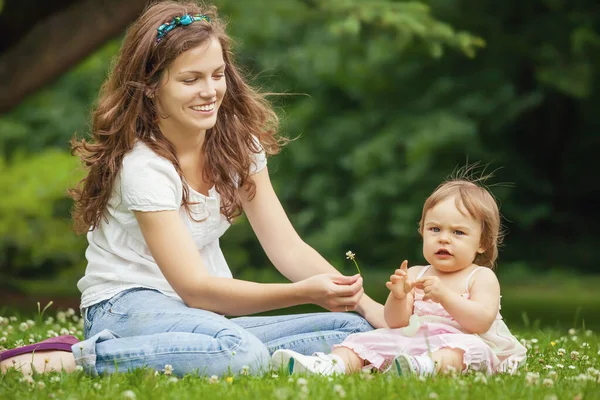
{"points": [[117, 254]]}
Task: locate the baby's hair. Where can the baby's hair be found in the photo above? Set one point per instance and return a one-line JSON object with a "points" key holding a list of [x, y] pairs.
{"points": [[474, 199]]}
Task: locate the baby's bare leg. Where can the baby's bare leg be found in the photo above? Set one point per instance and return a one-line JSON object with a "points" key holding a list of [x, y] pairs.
{"points": [[41, 361], [352, 361], [448, 357]]}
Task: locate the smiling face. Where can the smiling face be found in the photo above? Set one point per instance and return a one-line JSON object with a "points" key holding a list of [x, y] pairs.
{"points": [[451, 238], [191, 90]]}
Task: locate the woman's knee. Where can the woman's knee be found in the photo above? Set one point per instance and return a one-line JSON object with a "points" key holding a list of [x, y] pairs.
{"points": [[353, 323], [248, 354]]}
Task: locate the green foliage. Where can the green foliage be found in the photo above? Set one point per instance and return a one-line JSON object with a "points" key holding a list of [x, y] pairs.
{"points": [[386, 98], [36, 236]]}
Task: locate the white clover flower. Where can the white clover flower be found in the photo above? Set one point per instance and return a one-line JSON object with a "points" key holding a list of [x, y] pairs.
{"points": [[350, 255], [548, 382], [433, 395], [560, 366], [585, 344], [274, 376], [532, 378], [552, 375], [30, 323], [572, 331], [3, 339], [572, 367], [70, 312], [49, 321], [245, 370], [213, 379], [61, 317], [28, 379], [79, 368], [561, 352], [75, 318], [585, 357], [23, 326], [168, 369], [339, 389], [551, 397], [97, 386], [10, 329], [173, 379], [548, 367], [64, 331], [534, 340], [302, 382], [593, 371], [13, 319], [55, 379], [41, 385], [589, 333], [574, 355], [574, 338], [129, 394], [479, 377]]}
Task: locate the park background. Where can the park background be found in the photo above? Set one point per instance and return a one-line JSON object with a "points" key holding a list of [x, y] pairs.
{"points": [[385, 99]]}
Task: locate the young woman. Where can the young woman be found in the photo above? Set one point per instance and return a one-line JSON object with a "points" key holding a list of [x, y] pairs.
{"points": [[179, 150]]}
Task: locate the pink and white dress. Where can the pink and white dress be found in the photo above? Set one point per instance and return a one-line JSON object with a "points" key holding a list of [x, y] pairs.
{"points": [[431, 328]]}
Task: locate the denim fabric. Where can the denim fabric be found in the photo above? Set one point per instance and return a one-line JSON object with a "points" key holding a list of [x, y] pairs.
{"points": [[144, 328]]}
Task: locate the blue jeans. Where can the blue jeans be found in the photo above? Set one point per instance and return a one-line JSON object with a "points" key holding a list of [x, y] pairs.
{"points": [[144, 328]]}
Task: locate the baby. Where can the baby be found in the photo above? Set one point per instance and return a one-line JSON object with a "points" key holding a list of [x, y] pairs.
{"points": [[443, 316]]}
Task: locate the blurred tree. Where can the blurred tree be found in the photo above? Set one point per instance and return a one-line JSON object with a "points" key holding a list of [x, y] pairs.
{"points": [[43, 39], [384, 112]]}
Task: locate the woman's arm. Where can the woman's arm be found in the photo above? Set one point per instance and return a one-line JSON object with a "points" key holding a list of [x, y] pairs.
{"points": [[295, 259], [174, 251]]}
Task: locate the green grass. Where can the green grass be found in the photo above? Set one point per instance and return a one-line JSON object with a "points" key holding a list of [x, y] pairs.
{"points": [[548, 374]]}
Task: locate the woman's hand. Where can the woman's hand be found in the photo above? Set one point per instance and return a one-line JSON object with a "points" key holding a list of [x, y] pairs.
{"points": [[399, 284], [334, 292]]}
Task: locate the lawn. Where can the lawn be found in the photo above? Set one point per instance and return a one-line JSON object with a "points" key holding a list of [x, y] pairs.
{"points": [[558, 319], [562, 364]]}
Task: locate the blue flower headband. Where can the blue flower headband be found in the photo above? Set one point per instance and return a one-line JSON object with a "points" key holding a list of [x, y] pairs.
{"points": [[184, 20]]}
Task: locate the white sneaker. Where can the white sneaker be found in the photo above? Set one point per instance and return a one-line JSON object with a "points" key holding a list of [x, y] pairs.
{"points": [[318, 363]]}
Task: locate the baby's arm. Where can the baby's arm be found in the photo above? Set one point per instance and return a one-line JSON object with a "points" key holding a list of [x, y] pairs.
{"points": [[476, 314], [399, 305]]}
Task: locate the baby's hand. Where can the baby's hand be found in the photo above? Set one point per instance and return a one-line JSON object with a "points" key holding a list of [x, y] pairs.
{"points": [[399, 284], [433, 288]]}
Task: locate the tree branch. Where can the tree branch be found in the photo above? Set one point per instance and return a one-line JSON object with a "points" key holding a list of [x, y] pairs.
{"points": [[59, 42]]}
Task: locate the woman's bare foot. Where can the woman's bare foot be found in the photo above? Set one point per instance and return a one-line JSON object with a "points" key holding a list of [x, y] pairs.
{"points": [[40, 361]]}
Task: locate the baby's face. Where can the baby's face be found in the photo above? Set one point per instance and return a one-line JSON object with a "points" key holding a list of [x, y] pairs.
{"points": [[451, 238]]}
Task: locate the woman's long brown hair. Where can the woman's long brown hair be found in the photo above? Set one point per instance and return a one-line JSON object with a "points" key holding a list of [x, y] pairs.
{"points": [[125, 113]]}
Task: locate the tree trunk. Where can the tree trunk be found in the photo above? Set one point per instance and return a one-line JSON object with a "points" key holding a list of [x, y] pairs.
{"points": [[56, 44]]}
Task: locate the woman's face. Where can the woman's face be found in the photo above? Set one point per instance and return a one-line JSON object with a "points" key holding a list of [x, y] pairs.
{"points": [[192, 89]]}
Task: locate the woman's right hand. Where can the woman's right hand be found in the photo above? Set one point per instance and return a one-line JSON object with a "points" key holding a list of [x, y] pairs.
{"points": [[334, 292]]}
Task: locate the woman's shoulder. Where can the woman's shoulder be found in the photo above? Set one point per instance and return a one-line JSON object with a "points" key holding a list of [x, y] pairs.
{"points": [[142, 160]]}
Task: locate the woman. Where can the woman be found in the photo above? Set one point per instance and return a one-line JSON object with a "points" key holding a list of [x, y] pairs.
{"points": [[179, 150]]}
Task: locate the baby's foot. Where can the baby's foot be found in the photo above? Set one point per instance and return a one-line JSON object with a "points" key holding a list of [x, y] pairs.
{"points": [[318, 363], [407, 365]]}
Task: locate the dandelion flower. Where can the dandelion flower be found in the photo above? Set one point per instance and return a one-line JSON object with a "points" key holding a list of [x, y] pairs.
{"points": [[229, 379]]}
